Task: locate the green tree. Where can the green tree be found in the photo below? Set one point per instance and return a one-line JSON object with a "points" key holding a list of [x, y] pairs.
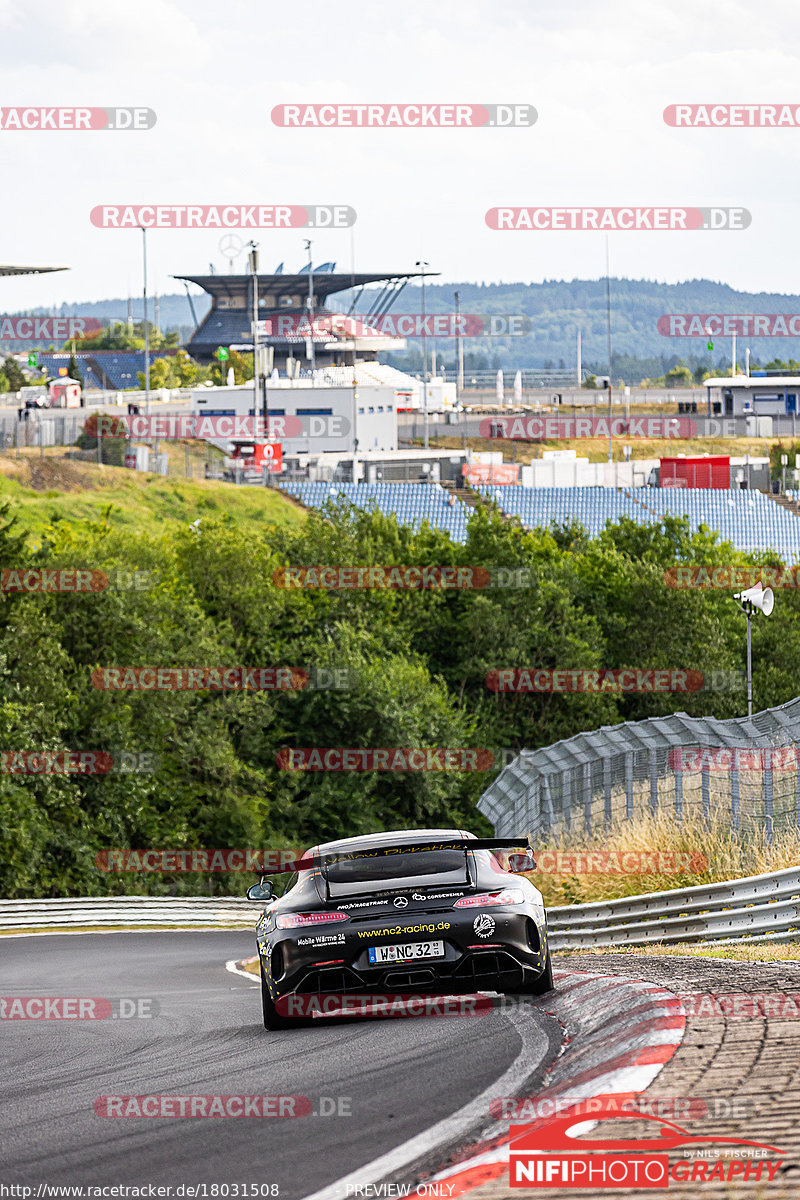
{"points": [[14, 374], [376, 668], [119, 336], [242, 369], [678, 376], [73, 370], [176, 371]]}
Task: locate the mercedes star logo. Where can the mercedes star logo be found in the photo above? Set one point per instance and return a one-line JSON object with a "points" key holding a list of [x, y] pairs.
{"points": [[231, 245], [401, 901]]}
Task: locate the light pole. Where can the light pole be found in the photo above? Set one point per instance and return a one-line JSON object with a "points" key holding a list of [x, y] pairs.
{"points": [[253, 257], [608, 333], [146, 330], [459, 353], [421, 263], [310, 305], [754, 598]]}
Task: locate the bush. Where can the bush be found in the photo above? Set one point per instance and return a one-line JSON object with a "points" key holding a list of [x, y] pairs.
{"points": [[113, 448]]}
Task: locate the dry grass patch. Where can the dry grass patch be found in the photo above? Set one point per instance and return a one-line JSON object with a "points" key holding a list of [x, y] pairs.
{"points": [[736, 951], [712, 851]]}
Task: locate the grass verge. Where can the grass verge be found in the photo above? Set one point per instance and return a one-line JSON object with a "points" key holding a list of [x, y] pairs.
{"points": [[53, 487], [736, 951]]}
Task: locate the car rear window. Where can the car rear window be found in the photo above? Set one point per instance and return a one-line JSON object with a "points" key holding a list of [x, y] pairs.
{"points": [[366, 870]]}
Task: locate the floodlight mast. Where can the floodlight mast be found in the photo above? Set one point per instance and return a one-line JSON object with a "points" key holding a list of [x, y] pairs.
{"points": [[760, 599], [253, 262]]}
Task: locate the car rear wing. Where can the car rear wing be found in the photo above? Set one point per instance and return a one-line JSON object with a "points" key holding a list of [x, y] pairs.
{"points": [[319, 862]]}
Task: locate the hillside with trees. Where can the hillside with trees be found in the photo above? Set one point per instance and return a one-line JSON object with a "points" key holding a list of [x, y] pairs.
{"points": [[413, 665]]}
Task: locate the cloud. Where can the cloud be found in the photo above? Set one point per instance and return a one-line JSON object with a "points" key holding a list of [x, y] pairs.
{"points": [[99, 35]]}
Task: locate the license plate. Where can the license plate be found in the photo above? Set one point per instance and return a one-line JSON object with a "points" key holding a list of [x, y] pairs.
{"points": [[406, 952]]}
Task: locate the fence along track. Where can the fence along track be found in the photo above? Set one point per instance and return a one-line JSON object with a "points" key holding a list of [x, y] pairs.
{"points": [[130, 912], [758, 908]]}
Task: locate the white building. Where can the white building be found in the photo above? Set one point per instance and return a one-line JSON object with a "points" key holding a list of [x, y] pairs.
{"points": [[331, 412], [754, 395]]}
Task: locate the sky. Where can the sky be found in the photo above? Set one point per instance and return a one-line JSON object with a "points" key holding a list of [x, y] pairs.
{"points": [[598, 72]]}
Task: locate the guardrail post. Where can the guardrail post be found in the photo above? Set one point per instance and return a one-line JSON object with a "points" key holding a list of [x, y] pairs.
{"points": [[706, 791], [736, 817], [678, 776], [766, 756], [629, 787], [607, 790]]}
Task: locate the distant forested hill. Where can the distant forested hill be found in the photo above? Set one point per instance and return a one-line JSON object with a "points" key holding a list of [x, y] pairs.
{"points": [[557, 309]]}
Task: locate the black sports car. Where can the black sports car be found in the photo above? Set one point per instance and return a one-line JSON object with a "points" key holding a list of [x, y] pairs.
{"points": [[418, 912]]}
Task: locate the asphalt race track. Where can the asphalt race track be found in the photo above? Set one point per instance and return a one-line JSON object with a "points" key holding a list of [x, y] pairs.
{"points": [[399, 1076]]}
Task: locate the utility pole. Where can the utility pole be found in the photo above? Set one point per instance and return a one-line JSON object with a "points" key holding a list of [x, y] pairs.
{"points": [[146, 330], [423, 264]]}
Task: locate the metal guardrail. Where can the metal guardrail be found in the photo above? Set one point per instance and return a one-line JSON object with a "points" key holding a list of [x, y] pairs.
{"points": [[131, 912], [757, 908]]}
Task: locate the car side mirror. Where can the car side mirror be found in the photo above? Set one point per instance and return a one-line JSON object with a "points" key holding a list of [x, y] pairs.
{"points": [[522, 862], [263, 890]]}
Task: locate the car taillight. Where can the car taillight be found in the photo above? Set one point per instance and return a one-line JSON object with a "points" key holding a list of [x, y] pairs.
{"points": [[507, 896], [295, 920]]}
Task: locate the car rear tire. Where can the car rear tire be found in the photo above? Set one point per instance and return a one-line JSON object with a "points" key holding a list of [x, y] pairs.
{"points": [[544, 983], [272, 1018]]}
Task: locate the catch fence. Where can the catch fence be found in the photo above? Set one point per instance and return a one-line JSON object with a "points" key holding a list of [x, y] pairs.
{"points": [[745, 771]]}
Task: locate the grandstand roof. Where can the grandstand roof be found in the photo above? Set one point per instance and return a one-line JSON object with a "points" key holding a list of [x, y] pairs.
{"points": [[325, 284], [29, 270]]}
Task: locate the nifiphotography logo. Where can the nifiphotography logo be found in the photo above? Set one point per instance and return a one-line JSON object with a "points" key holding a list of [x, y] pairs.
{"points": [[484, 925], [550, 1155]]}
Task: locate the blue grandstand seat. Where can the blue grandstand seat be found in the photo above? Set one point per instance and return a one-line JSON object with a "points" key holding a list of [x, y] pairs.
{"points": [[749, 520], [118, 370], [411, 503]]}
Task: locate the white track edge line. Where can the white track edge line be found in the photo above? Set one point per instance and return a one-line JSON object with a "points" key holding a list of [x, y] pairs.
{"points": [[443, 1131], [232, 966]]}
